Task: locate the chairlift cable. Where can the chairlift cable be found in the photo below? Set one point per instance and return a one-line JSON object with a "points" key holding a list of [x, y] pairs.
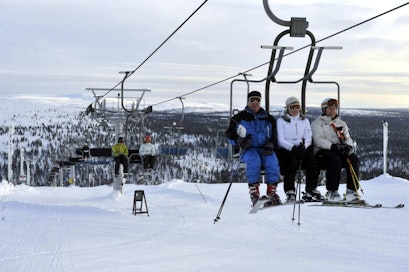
{"points": [[292, 52], [140, 65]]}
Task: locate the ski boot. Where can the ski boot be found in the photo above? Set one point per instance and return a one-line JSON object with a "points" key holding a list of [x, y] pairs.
{"points": [[254, 193], [313, 196], [274, 198], [352, 197], [290, 196], [333, 196]]}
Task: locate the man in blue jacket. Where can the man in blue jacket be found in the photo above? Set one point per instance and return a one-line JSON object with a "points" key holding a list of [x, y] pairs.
{"points": [[254, 130]]}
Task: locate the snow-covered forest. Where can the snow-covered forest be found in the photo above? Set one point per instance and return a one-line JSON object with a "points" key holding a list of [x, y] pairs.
{"points": [[49, 135]]}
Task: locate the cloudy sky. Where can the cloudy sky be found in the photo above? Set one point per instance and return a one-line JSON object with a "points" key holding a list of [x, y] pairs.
{"points": [[59, 48]]}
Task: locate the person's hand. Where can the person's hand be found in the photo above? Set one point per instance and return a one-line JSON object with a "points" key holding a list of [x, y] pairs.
{"points": [[268, 149], [298, 151], [348, 150], [342, 149], [244, 142], [301, 151]]}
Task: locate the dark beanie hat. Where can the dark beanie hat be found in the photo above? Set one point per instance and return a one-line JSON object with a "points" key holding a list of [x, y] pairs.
{"points": [[254, 94]]}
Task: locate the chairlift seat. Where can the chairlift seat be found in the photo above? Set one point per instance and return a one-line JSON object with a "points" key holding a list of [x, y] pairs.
{"points": [[101, 152], [222, 152], [134, 156], [173, 151], [79, 151], [75, 160]]}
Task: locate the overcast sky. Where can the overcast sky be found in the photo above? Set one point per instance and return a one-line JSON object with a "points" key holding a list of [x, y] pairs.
{"points": [[59, 48]]}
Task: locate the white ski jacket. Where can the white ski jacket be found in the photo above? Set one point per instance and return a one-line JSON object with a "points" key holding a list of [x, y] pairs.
{"points": [[291, 130], [324, 135], [147, 149]]}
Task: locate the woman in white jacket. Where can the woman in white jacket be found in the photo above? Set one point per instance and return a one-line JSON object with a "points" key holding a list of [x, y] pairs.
{"points": [[294, 147], [148, 153], [333, 146]]}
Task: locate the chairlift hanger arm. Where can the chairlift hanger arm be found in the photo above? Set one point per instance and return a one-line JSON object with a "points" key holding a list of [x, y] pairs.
{"points": [[273, 73], [269, 77], [245, 78], [271, 15], [183, 111], [270, 68], [318, 58], [298, 26], [127, 74]]}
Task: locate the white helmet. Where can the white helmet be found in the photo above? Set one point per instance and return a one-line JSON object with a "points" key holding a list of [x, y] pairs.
{"points": [[291, 100]]}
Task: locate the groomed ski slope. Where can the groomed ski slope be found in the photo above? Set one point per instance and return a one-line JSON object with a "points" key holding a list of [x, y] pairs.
{"points": [[92, 229]]}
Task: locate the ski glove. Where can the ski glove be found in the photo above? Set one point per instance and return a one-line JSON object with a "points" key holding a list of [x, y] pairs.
{"points": [[268, 149], [342, 149], [299, 151], [244, 142]]}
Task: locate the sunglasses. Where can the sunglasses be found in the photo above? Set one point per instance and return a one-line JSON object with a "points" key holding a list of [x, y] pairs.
{"points": [[254, 99], [293, 107]]}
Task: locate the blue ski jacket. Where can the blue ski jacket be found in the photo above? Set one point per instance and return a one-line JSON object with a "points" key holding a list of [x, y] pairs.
{"points": [[262, 128]]}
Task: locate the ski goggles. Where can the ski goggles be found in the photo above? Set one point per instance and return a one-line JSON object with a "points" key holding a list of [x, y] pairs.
{"points": [[294, 106], [254, 99], [332, 102]]}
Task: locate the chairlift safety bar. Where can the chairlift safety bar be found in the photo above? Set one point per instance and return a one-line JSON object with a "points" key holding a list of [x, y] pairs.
{"points": [[276, 47], [327, 47]]}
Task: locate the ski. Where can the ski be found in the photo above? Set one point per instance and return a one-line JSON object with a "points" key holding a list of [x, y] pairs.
{"points": [[347, 205], [264, 203], [399, 206], [260, 202], [312, 199], [267, 205], [357, 205]]}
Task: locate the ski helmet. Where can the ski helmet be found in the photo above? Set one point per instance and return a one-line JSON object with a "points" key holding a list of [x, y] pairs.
{"points": [[292, 100], [327, 102]]}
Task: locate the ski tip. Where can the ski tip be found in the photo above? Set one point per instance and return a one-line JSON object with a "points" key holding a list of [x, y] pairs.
{"points": [[400, 205]]}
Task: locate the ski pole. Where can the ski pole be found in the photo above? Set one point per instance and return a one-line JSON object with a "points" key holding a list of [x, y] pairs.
{"points": [[355, 179], [300, 176], [235, 171], [201, 193], [299, 179]]}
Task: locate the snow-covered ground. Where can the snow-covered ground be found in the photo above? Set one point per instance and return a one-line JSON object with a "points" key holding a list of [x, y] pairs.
{"points": [[93, 229]]}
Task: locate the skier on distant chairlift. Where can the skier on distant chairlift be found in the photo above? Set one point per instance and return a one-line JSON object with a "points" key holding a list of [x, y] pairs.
{"points": [[85, 152], [120, 153], [147, 152]]}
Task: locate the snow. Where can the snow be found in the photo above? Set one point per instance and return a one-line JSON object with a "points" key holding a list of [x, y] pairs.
{"points": [[93, 229]]}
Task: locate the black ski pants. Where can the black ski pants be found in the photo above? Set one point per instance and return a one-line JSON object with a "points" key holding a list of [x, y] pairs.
{"points": [[121, 159], [289, 164], [149, 162], [333, 162]]}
